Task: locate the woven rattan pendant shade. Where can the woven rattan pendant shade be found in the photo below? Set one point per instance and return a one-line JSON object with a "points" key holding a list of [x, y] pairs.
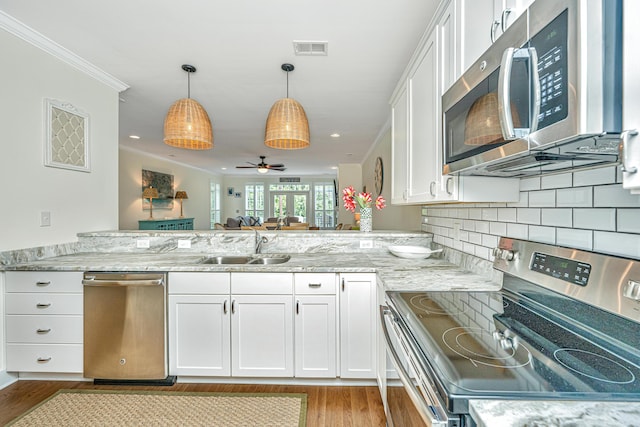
{"points": [[187, 124], [287, 126]]}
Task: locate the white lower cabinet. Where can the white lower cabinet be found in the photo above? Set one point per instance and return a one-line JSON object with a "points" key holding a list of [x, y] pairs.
{"points": [[315, 325], [199, 324], [358, 325], [44, 321]]}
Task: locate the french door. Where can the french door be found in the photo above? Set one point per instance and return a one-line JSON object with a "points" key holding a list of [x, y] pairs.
{"points": [[289, 203]]}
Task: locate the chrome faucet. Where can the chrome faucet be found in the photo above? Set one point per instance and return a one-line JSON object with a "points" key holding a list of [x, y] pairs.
{"points": [[259, 241]]}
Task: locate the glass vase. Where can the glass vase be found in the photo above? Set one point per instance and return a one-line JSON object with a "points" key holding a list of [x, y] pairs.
{"points": [[366, 219]]}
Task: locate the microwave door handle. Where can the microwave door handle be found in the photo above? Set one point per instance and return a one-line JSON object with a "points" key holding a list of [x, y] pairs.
{"points": [[535, 76], [504, 95], [427, 412]]}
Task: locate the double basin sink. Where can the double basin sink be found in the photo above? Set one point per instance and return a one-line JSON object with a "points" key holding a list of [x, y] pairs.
{"points": [[251, 259]]}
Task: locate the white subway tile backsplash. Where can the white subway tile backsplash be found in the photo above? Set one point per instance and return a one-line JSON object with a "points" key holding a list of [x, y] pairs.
{"points": [[595, 219], [561, 180], [469, 225], [580, 239], [507, 214], [522, 203], [468, 248], [489, 241], [462, 213], [581, 197], [482, 252], [615, 196], [498, 228], [475, 238], [475, 213], [482, 227], [517, 231], [489, 214], [528, 184], [557, 217], [627, 245], [528, 216], [542, 199], [542, 234], [597, 176], [629, 220]]}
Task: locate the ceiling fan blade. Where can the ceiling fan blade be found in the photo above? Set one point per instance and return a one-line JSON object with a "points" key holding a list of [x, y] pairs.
{"points": [[278, 169], [277, 165], [246, 167]]}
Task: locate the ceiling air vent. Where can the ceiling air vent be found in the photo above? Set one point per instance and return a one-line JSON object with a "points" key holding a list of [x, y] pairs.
{"points": [[307, 48], [296, 179]]}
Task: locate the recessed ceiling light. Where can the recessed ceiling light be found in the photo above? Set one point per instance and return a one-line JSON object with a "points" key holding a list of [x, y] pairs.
{"points": [[334, 167], [224, 169], [335, 135], [134, 137]]}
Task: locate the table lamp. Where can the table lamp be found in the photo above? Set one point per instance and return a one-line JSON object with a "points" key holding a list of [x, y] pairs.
{"points": [[150, 193], [181, 195]]}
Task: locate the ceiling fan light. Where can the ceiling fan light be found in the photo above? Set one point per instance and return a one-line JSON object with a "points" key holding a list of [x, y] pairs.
{"points": [[187, 125], [263, 170], [287, 126]]}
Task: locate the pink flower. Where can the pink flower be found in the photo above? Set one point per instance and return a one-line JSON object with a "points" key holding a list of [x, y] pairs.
{"points": [[380, 202], [364, 200]]}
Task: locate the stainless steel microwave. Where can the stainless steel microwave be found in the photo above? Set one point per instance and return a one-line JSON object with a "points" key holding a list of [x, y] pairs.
{"points": [[544, 98]]}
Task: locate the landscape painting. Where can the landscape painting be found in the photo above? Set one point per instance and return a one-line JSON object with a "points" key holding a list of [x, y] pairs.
{"points": [[164, 183]]}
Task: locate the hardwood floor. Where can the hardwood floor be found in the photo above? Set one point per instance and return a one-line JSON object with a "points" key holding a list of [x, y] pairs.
{"points": [[326, 405]]}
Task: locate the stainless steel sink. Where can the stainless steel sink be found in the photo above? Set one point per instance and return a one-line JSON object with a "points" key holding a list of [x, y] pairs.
{"points": [[233, 259], [269, 259], [239, 259]]}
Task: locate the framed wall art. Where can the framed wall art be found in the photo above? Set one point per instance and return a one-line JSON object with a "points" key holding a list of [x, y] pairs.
{"points": [[164, 183], [66, 130]]}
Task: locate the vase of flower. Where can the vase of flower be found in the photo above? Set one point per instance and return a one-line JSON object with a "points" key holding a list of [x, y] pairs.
{"points": [[363, 201], [366, 219]]}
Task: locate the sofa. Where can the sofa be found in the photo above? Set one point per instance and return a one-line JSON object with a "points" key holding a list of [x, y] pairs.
{"points": [[239, 221]]}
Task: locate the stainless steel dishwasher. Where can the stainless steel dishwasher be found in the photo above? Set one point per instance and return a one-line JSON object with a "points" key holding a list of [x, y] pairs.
{"points": [[125, 338]]}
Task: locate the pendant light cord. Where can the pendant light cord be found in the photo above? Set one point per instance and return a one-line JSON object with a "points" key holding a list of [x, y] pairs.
{"points": [[188, 84], [287, 84]]}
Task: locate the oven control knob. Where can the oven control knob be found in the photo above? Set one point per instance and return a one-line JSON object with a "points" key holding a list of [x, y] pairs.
{"points": [[497, 252], [508, 255]]}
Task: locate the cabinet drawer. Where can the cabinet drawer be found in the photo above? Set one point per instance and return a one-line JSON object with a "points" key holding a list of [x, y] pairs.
{"points": [[44, 358], [44, 281], [199, 283], [262, 283], [43, 303], [315, 283], [44, 329]]}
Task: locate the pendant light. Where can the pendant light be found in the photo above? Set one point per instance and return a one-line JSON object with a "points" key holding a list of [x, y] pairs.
{"points": [[287, 126], [187, 124]]}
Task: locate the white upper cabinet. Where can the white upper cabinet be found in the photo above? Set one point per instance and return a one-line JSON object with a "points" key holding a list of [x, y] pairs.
{"points": [[481, 22], [631, 103], [417, 155]]}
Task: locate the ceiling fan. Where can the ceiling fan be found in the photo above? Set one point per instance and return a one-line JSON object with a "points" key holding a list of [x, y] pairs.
{"points": [[264, 167]]}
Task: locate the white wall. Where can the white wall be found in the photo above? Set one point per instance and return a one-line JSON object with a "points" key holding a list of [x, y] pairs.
{"points": [[584, 209], [77, 201], [195, 182], [392, 217]]}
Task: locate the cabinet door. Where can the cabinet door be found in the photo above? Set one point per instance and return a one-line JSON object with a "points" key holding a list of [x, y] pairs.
{"points": [[474, 26], [199, 335], [449, 48], [262, 335], [357, 325], [399, 147], [315, 336], [424, 98]]}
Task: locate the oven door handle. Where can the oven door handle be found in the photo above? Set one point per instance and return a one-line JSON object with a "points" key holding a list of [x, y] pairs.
{"points": [[428, 413]]}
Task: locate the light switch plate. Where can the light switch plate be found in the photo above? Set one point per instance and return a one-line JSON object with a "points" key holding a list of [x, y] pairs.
{"points": [[45, 219], [184, 243], [366, 244], [142, 243]]}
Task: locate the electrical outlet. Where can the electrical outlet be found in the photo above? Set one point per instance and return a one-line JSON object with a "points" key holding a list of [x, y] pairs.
{"points": [[184, 243], [142, 243], [366, 244], [45, 219]]}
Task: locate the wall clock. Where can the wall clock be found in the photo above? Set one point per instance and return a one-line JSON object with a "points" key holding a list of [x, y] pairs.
{"points": [[379, 175]]}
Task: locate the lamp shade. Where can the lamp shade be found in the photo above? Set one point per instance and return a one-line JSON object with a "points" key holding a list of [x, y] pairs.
{"points": [[181, 195], [150, 192], [187, 125], [287, 126]]}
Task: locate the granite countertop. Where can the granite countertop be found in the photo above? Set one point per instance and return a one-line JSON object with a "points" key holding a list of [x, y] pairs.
{"points": [[395, 273]]}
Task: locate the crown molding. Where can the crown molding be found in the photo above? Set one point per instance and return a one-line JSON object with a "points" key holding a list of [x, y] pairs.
{"points": [[20, 30]]}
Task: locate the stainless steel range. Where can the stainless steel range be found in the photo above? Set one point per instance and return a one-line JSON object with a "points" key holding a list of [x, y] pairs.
{"points": [[565, 325]]}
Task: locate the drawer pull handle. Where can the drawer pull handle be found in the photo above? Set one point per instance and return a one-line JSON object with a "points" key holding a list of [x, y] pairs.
{"points": [[315, 285], [44, 359], [224, 306], [233, 307], [43, 305], [43, 331], [297, 307], [43, 283]]}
